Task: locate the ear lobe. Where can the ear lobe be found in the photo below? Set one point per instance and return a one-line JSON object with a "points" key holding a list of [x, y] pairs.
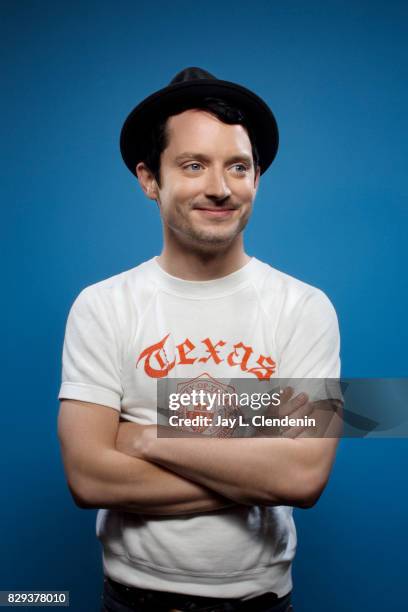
{"points": [[256, 180], [146, 180], [152, 192]]}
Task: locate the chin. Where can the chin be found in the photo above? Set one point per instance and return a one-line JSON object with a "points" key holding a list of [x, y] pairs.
{"points": [[213, 240], [221, 237]]}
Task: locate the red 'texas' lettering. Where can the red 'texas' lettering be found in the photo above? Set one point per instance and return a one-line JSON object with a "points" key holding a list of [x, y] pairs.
{"points": [[154, 351], [265, 371], [156, 364], [212, 349], [184, 360], [244, 359]]}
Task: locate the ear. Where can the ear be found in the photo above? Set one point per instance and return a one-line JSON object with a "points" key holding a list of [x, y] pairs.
{"points": [[147, 181]]}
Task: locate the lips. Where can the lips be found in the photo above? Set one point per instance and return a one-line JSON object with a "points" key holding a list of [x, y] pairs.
{"points": [[212, 209], [216, 209], [215, 212]]}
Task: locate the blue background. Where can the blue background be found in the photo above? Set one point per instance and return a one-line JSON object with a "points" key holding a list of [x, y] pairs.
{"points": [[332, 211]]}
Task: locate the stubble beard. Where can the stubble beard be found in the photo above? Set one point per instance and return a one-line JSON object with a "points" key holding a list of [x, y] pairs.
{"points": [[205, 238]]}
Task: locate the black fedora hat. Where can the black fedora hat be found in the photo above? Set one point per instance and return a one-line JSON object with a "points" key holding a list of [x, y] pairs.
{"points": [[185, 90]]}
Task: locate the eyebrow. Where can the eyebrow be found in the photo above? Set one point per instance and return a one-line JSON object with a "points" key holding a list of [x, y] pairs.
{"points": [[200, 156]]}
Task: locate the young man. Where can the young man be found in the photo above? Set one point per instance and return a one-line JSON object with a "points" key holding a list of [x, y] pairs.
{"points": [[197, 523]]}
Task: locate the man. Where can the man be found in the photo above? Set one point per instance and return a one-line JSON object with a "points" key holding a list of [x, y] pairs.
{"points": [[197, 523]]}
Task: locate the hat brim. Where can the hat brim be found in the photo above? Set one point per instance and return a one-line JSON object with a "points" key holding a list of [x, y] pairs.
{"points": [[135, 132]]}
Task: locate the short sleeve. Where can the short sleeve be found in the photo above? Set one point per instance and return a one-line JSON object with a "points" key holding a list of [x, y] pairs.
{"points": [[91, 369], [309, 341]]}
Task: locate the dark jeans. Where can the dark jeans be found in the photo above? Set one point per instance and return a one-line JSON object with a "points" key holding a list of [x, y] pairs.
{"points": [[118, 598]]}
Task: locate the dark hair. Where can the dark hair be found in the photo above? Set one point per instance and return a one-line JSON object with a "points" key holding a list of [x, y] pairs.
{"points": [[159, 137]]}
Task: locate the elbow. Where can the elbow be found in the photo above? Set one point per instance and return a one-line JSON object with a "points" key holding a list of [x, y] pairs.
{"points": [[310, 491], [308, 501], [301, 492], [80, 502], [82, 493]]}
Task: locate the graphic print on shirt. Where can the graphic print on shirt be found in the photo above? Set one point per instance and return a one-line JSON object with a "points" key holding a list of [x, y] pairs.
{"points": [[205, 351], [217, 418]]}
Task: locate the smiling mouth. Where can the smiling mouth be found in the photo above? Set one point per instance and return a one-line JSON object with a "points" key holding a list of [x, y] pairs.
{"points": [[216, 212]]}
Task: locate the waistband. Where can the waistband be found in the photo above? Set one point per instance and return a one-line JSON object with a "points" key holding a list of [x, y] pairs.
{"points": [[164, 601]]}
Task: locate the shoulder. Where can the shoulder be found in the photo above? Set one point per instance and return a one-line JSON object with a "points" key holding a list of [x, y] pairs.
{"points": [[119, 299], [305, 326], [289, 294], [119, 287]]}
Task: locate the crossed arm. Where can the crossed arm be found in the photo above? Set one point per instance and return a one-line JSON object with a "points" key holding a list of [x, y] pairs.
{"points": [[125, 466], [101, 476]]}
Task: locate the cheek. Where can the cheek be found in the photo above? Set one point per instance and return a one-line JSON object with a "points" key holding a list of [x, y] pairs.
{"points": [[179, 193], [245, 193]]}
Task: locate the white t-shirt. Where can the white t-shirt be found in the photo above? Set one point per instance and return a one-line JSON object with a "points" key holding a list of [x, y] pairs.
{"points": [[125, 333]]}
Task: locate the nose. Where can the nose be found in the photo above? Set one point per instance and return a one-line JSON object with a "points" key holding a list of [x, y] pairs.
{"points": [[217, 187]]}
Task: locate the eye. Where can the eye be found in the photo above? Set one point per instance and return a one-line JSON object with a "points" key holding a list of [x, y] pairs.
{"points": [[191, 165], [242, 167]]}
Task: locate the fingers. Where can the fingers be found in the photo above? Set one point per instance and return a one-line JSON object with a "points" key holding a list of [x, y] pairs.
{"points": [[295, 403], [291, 406], [286, 394], [298, 407]]}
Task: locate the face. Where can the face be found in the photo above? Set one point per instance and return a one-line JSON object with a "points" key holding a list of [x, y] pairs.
{"points": [[208, 181]]}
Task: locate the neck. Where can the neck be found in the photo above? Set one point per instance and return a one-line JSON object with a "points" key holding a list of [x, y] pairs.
{"points": [[191, 263]]}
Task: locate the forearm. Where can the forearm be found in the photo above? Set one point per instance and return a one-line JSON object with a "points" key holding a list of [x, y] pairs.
{"points": [[117, 481], [268, 471]]}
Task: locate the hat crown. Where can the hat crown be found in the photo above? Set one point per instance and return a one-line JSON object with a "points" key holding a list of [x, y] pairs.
{"points": [[191, 74], [187, 87]]}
